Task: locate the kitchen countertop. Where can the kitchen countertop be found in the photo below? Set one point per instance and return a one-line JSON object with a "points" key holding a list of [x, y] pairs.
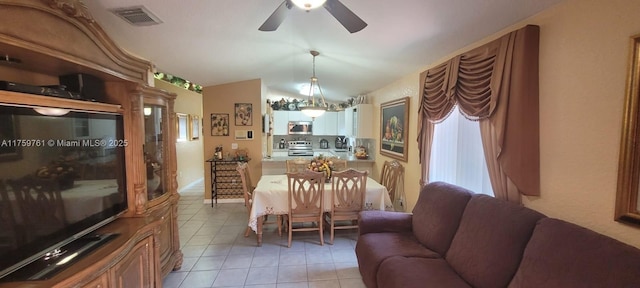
{"points": [[281, 155]]}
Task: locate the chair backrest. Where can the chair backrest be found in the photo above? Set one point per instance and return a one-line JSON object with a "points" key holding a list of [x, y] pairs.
{"points": [[348, 190], [297, 165], [392, 174], [247, 186], [339, 164], [306, 192], [40, 202], [8, 234]]}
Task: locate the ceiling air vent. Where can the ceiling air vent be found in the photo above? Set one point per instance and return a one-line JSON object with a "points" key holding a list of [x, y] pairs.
{"points": [[137, 15]]}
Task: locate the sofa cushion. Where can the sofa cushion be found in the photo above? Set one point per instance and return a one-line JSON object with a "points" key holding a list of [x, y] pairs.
{"points": [[375, 221], [408, 272], [561, 254], [490, 241], [437, 214], [373, 248]]}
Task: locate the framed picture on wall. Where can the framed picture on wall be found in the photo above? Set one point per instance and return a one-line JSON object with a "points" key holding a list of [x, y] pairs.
{"points": [[243, 112], [182, 125], [194, 130], [219, 124], [394, 128]]}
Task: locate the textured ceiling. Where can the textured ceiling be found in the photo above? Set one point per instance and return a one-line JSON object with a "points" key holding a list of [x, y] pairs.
{"points": [[215, 42]]}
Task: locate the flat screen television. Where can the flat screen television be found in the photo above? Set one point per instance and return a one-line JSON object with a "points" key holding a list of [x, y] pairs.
{"points": [[62, 176]]}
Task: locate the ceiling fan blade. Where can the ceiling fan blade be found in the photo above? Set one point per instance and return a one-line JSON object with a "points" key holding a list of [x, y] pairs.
{"points": [[276, 18], [348, 19]]}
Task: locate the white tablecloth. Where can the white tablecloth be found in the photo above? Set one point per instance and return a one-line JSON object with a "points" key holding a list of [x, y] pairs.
{"points": [[270, 197]]}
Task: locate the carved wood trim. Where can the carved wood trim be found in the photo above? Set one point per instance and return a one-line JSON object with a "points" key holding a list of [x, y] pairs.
{"points": [[51, 54]]}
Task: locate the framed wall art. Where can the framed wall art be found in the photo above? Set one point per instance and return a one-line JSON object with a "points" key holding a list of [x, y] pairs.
{"points": [[194, 128], [394, 128], [243, 112], [628, 194], [182, 126], [219, 124]]}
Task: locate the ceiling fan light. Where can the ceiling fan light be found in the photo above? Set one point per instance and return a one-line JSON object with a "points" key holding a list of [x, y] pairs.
{"points": [[308, 4]]}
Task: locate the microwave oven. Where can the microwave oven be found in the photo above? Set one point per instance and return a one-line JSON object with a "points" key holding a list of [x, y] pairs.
{"points": [[300, 128]]}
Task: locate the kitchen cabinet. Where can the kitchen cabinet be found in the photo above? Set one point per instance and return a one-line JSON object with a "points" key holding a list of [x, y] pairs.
{"points": [[331, 123], [298, 116], [359, 121], [280, 122], [327, 124], [340, 125]]}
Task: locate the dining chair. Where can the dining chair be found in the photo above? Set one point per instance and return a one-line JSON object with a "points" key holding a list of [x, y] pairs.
{"points": [[247, 187], [339, 164], [297, 165], [306, 194], [391, 177], [348, 189], [40, 204], [9, 235]]}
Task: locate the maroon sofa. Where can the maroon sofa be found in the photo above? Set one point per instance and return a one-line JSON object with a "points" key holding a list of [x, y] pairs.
{"points": [[455, 238]]}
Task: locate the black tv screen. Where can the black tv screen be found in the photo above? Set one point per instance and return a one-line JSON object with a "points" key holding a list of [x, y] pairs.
{"points": [[62, 175]]}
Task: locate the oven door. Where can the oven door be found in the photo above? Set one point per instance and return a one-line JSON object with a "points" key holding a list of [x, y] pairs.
{"points": [[300, 128]]}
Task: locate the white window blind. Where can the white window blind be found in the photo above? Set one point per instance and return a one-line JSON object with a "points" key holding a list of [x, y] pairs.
{"points": [[457, 156]]}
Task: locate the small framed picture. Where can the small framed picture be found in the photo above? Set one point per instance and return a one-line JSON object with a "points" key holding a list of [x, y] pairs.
{"points": [[194, 130], [182, 125], [219, 124], [243, 114]]}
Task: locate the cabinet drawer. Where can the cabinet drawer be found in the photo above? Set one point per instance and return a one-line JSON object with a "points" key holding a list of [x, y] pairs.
{"points": [[100, 282]]}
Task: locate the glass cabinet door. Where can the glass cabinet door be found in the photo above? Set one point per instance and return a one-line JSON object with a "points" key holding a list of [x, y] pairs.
{"points": [[155, 119]]}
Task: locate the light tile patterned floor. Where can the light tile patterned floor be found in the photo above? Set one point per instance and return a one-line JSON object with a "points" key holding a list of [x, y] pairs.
{"points": [[216, 253]]}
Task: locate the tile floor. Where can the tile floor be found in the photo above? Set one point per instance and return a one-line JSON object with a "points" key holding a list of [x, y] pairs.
{"points": [[216, 253]]}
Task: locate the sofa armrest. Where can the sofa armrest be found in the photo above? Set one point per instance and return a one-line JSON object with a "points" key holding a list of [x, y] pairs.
{"points": [[384, 221]]}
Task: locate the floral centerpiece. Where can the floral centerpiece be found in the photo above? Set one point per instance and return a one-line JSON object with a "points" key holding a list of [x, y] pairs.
{"points": [[322, 164]]}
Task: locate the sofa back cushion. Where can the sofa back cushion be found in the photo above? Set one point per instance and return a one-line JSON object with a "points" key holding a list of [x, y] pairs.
{"points": [[490, 241], [561, 254], [437, 214]]}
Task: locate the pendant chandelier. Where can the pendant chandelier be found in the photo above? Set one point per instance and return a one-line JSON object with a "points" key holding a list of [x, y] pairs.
{"points": [[314, 108]]}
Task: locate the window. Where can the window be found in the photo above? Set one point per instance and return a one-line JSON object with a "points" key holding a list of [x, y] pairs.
{"points": [[457, 156]]}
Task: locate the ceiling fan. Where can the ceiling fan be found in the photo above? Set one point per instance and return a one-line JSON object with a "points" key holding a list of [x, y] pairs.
{"points": [[348, 19]]}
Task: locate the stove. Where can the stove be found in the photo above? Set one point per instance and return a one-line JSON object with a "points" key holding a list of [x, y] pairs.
{"points": [[300, 148]]}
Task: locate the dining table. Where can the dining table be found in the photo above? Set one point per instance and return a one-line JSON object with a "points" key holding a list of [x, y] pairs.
{"points": [[270, 197]]}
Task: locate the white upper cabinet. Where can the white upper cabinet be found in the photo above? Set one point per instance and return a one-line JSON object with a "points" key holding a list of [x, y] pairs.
{"points": [[280, 122], [327, 124], [359, 121], [341, 130]]}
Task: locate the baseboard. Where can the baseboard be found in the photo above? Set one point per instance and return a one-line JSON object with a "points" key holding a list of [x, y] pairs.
{"points": [[190, 185]]}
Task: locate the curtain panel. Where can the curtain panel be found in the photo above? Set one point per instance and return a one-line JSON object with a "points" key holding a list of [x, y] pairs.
{"points": [[496, 83]]}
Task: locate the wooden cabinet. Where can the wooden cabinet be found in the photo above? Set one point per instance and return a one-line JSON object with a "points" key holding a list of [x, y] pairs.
{"points": [[101, 281], [136, 270], [147, 246]]}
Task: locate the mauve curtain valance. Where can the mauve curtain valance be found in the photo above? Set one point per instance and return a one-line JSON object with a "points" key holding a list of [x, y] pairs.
{"points": [[496, 82]]}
